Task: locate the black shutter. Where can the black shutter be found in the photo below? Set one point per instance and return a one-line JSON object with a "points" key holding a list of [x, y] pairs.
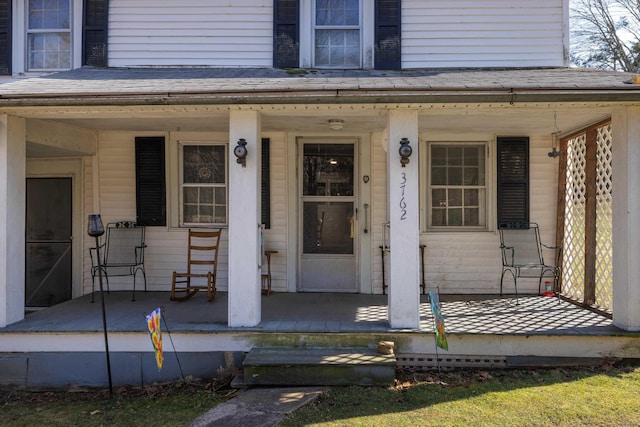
{"points": [[286, 38], [266, 184], [5, 36], [513, 182], [151, 206], [94, 33], [387, 35]]}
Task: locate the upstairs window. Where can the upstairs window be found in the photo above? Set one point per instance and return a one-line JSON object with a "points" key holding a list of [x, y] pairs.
{"points": [[337, 38], [457, 185], [48, 35], [203, 184]]}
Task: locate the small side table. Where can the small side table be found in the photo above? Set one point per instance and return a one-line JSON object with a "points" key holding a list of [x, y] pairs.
{"points": [[266, 278]]}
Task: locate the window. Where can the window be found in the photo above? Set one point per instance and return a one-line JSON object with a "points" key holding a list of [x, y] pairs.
{"points": [[203, 184], [337, 33], [48, 35], [457, 185]]}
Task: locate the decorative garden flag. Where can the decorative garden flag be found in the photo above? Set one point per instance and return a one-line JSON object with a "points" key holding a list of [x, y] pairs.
{"points": [[441, 336], [153, 323]]}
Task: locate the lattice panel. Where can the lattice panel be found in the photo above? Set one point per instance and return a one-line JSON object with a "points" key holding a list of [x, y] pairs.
{"points": [[573, 273], [604, 221]]}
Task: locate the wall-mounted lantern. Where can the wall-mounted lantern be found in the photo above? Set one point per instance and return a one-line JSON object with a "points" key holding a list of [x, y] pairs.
{"points": [[241, 152], [405, 151]]}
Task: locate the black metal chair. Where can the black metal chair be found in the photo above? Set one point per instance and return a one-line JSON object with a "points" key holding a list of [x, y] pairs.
{"points": [[122, 254], [522, 255]]}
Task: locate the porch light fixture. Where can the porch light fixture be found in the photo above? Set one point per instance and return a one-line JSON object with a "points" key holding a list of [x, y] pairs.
{"points": [[96, 229], [555, 137], [241, 152], [405, 151], [336, 124]]}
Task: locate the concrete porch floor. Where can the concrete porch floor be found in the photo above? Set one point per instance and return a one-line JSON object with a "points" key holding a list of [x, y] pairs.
{"points": [[321, 313]]}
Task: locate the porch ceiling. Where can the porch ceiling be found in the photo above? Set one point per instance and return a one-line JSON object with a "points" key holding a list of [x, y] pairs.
{"points": [[500, 118]]}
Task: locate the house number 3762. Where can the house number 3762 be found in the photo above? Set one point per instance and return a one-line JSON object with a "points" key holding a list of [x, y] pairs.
{"points": [[403, 203]]}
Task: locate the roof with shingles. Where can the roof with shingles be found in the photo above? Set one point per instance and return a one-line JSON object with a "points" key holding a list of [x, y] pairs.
{"points": [[161, 85]]}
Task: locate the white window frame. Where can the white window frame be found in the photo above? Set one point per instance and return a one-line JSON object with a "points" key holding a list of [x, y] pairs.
{"points": [[181, 184], [487, 210], [20, 45], [307, 34]]}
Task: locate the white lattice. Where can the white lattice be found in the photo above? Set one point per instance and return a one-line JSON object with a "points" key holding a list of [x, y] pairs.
{"points": [[573, 268], [604, 221], [574, 223]]}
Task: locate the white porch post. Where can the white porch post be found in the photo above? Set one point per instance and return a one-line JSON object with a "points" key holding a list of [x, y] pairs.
{"points": [[244, 219], [404, 214], [626, 218], [12, 221]]}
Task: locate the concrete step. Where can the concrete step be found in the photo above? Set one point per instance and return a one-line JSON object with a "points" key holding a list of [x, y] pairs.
{"points": [[318, 366]]}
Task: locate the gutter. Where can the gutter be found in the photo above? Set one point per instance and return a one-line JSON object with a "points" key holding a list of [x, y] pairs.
{"points": [[350, 96]]}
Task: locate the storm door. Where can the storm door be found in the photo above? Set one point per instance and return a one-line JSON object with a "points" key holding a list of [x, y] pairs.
{"points": [[328, 220], [48, 241]]}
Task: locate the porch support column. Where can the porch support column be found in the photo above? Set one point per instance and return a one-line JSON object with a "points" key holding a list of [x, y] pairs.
{"points": [[404, 214], [12, 218], [626, 218], [244, 220]]}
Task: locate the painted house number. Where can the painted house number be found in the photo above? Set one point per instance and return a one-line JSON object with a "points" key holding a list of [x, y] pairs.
{"points": [[403, 203]]}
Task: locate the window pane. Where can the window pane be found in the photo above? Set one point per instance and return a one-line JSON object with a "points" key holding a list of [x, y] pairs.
{"points": [[337, 12], [471, 176], [439, 198], [49, 15], [328, 170], [454, 176], [337, 48], [455, 197], [49, 51], [204, 192], [471, 217], [438, 217], [458, 172], [455, 217], [455, 156], [471, 198]]}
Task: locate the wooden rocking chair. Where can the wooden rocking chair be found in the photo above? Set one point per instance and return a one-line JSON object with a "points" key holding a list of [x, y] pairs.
{"points": [[203, 251]]}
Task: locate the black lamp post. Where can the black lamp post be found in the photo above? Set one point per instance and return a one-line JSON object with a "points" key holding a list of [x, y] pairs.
{"points": [[96, 229]]}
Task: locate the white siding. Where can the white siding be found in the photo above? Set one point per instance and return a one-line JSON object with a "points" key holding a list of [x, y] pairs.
{"points": [[469, 262], [276, 237], [190, 33], [494, 33]]}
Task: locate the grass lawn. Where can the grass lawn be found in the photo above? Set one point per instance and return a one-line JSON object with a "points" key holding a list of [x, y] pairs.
{"points": [[598, 396], [603, 396], [174, 404]]}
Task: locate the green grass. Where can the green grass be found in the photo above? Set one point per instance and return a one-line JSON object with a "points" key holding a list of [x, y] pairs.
{"points": [[169, 405], [556, 397], [594, 397]]}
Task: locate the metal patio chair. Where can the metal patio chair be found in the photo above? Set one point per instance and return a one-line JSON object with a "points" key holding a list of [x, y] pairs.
{"points": [[122, 254], [202, 265], [522, 255]]}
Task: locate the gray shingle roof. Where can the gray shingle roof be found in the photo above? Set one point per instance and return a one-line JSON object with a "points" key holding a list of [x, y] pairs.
{"points": [[181, 85]]}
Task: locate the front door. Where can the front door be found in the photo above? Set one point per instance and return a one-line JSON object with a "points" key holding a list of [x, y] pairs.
{"points": [[328, 220], [48, 241]]}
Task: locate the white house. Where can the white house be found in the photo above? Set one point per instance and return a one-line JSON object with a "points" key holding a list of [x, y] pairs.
{"points": [[95, 86]]}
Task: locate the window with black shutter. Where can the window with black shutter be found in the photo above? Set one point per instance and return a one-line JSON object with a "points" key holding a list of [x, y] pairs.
{"points": [[5, 36], [513, 182], [286, 34], [387, 35], [266, 184], [94, 33], [150, 181]]}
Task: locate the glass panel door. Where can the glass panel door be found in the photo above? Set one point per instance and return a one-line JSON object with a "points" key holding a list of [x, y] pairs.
{"points": [[328, 217]]}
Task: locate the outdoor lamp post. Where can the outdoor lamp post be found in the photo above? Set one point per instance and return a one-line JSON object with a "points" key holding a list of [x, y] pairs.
{"points": [[96, 229]]}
